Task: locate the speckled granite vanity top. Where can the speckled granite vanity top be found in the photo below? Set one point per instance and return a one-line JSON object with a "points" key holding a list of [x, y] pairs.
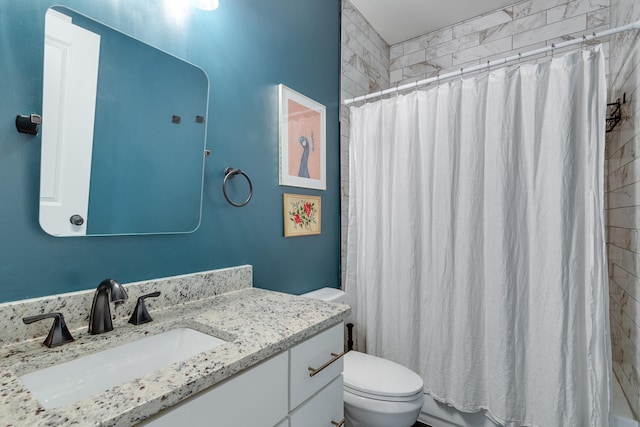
{"points": [[256, 323]]}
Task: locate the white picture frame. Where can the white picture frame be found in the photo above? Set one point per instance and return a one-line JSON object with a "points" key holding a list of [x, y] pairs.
{"points": [[303, 128]]}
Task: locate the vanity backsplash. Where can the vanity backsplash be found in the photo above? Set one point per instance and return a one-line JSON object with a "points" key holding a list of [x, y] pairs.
{"points": [[76, 306]]}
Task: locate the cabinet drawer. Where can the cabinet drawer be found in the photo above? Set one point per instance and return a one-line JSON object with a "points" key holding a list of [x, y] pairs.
{"points": [[255, 397], [315, 353], [325, 409]]}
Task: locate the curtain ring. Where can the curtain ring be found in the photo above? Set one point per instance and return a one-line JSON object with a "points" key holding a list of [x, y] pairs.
{"points": [[553, 49], [519, 58], [461, 73], [230, 173], [396, 91], [438, 79], [488, 67], [584, 42]]}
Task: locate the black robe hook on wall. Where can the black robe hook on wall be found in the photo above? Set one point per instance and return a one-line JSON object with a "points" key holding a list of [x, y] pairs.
{"points": [[613, 112], [28, 124]]}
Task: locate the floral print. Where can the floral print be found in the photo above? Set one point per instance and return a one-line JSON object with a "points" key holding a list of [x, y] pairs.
{"points": [[303, 214]]}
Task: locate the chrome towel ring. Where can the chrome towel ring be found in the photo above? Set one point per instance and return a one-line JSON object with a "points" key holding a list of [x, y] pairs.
{"points": [[230, 173]]}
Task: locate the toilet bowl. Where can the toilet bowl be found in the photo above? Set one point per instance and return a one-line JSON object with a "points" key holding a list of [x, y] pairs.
{"points": [[377, 392]]}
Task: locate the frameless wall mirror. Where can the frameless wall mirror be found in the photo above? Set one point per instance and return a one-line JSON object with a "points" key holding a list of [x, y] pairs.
{"points": [[123, 133]]}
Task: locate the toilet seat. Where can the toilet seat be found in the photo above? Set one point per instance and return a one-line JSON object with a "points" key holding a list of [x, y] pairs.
{"points": [[372, 396], [380, 379]]}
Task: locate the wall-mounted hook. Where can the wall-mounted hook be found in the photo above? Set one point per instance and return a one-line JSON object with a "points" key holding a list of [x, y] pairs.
{"points": [[28, 124], [614, 112]]}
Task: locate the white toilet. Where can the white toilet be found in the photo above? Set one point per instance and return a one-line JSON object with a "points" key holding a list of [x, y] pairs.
{"points": [[377, 392]]}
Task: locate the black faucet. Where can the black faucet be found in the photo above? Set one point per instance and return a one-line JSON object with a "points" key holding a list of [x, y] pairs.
{"points": [[100, 318]]}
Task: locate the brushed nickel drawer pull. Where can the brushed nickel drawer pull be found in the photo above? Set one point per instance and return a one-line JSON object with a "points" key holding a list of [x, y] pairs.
{"points": [[313, 371], [339, 423]]}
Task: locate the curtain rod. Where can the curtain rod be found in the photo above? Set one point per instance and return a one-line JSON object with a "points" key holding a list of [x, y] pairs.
{"points": [[497, 62]]}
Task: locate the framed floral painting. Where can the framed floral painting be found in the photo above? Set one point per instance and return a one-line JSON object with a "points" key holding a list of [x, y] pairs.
{"points": [[302, 140], [302, 215]]}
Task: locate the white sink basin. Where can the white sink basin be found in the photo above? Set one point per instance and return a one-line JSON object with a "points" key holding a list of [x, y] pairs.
{"points": [[68, 382]]}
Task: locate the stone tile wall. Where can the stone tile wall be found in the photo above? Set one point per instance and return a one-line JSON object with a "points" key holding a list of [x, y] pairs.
{"points": [[365, 69], [623, 202], [518, 28]]}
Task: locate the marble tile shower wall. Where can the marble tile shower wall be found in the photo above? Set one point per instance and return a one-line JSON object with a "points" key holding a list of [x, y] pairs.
{"points": [[622, 172], [365, 69], [521, 27]]}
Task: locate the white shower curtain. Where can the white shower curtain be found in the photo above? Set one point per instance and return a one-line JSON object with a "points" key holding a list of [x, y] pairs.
{"points": [[476, 249]]}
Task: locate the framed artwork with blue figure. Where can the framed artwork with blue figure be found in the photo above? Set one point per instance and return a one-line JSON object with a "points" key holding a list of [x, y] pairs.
{"points": [[302, 140]]}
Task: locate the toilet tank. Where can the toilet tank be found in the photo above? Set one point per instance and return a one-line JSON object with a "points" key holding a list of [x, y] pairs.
{"points": [[327, 294]]}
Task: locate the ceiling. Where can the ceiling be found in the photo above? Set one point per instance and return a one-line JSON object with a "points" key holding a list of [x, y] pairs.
{"points": [[400, 20]]}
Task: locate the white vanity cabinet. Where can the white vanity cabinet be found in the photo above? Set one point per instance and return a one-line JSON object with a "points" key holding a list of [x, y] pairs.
{"points": [[325, 409], [255, 397], [279, 392], [316, 396]]}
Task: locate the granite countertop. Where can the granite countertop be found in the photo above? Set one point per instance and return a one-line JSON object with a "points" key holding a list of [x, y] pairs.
{"points": [[256, 323]]}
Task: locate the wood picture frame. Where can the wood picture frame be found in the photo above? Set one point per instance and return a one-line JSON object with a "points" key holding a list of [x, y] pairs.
{"points": [[302, 215]]}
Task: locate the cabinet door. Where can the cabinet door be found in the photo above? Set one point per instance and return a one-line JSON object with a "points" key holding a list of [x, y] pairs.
{"points": [[325, 409], [256, 397], [314, 353]]}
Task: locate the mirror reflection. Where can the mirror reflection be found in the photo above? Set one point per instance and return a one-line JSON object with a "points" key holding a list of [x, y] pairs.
{"points": [[123, 133]]}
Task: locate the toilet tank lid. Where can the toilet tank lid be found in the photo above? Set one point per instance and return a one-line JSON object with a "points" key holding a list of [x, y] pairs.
{"points": [[374, 375], [326, 294]]}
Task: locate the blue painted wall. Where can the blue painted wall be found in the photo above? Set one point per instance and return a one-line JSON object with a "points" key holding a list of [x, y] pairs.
{"points": [[247, 47]]}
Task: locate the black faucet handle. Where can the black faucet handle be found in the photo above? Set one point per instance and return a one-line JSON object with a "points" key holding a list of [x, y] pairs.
{"points": [[140, 314], [58, 334]]}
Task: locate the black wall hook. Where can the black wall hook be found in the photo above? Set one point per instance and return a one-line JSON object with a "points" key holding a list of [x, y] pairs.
{"points": [[28, 124], [614, 115]]}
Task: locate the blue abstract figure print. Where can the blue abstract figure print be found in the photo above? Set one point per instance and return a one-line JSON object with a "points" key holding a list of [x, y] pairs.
{"points": [[303, 171]]}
